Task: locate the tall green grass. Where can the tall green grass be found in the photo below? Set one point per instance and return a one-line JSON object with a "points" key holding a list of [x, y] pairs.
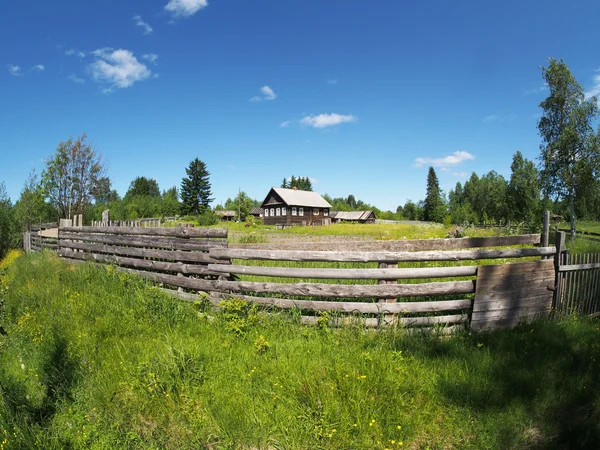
{"points": [[93, 358]]}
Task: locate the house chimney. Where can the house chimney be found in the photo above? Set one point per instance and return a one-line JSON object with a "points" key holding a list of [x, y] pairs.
{"points": [[294, 188]]}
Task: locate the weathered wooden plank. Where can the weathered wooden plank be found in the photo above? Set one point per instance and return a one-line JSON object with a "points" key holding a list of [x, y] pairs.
{"points": [[459, 255], [510, 281], [577, 267], [175, 255], [377, 323], [162, 231], [317, 289], [495, 300], [145, 242], [353, 307], [407, 322], [345, 274], [527, 304], [519, 267], [504, 322], [138, 263], [531, 288]]}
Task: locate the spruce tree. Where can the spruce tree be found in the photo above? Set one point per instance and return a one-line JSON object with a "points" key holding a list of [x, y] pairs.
{"points": [[195, 188], [434, 208]]}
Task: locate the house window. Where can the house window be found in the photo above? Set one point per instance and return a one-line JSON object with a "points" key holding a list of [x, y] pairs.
{"points": [[283, 211], [301, 211], [277, 211], [272, 212], [294, 211], [326, 212], [315, 211], [266, 212]]}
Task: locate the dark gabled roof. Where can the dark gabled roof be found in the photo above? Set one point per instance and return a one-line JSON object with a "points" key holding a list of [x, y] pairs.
{"points": [[257, 210], [293, 197]]}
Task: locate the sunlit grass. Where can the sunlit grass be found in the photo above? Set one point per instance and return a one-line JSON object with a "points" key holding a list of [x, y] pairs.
{"points": [[93, 358]]}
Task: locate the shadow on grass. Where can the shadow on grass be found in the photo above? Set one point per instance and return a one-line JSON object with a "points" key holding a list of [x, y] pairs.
{"points": [[57, 376], [549, 370]]}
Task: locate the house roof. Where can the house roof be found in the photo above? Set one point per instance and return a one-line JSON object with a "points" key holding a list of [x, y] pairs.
{"points": [[293, 197], [257, 210], [352, 215], [225, 213]]}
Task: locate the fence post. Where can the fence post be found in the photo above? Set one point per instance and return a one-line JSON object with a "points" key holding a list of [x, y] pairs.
{"points": [[560, 247], [387, 318], [545, 238], [27, 242]]}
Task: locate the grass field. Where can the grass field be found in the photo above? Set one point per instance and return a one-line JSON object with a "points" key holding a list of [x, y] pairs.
{"points": [[93, 358]]}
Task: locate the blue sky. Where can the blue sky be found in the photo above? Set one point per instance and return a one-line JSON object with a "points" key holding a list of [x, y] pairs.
{"points": [[360, 96]]}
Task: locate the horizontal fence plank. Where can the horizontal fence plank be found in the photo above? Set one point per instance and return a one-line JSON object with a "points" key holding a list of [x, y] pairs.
{"points": [[377, 323], [175, 255], [345, 274], [145, 242], [351, 307], [159, 231], [389, 257], [484, 302], [575, 267], [403, 245], [318, 289], [138, 263]]}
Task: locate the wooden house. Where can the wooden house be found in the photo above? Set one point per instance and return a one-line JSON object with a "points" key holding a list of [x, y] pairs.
{"points": [[286, 207], [257, 212], [226, 215], [353, 216]]}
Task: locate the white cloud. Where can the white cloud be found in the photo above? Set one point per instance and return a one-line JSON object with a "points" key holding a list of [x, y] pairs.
{"points": [[327, 120], [536, 90], [119, 69], [460, 174], [335, 81], [185, 8], [491, 118], [76, 79], [151, 58], [267, 92], [595, 90], [75, 52], [15, 71], [454, 159], [499, 118], [38, 68], [140, 23], [285, 124]]}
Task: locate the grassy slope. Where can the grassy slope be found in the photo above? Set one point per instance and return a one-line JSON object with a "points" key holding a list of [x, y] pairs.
{"points": [[92, 358]]}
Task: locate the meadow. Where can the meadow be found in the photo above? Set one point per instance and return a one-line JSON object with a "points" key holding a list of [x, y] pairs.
{"points": [[95, 358]]}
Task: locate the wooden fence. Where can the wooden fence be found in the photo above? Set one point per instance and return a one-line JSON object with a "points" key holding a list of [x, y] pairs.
{"points": [[149, 252], [577, 281], [422, 296], [44, 235], [470, 283]]}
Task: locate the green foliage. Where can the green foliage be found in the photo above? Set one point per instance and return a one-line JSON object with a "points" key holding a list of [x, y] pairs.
{"points": [[93, 358], [570, 152], [207, 219], [434, 208], [300, 183], [253, 238], [237, 315], [242, 204], [195, 188], [71, 176], [523, 192], [143, 187], [7, 236], [31, 208]]}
